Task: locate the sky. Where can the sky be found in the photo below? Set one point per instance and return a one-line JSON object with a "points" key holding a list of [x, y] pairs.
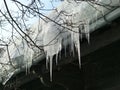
{"points": [[5, 32]]}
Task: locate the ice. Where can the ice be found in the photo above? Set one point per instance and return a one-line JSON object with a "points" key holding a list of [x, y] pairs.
{"points": [[79, 56], [77, 19], [56, 58], [73, 20], [47, 61], [51, 62], [72, 43], [87, 32], [76, 42]]}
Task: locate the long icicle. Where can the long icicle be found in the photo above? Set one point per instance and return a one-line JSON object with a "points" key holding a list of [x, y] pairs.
{"points": [[78, 49], [47, 61], [57, 59], [51, 61]]}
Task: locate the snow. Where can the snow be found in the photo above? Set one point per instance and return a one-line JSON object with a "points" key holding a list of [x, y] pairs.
{"points": [[72, 22], [76, 16]]}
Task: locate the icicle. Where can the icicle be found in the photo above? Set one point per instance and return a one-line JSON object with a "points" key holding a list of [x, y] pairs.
{"points": [[59, 55], [27, 68], [87, 33], [81, 27], [72, 37], [72, 44], [47, 61], [78, 49], [51, 61], [56, 58], [60, 47], [79, 57], [77, 45], [65, 42]]}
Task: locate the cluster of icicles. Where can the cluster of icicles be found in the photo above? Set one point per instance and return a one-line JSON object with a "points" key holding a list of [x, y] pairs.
{"points": [[55, 37], [60, 39]]}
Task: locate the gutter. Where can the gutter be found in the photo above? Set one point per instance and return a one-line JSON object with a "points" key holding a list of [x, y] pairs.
{"points": [[102, 22]]}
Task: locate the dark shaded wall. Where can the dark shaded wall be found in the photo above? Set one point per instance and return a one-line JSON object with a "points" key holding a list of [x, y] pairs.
{"points": [[100, 71]]}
